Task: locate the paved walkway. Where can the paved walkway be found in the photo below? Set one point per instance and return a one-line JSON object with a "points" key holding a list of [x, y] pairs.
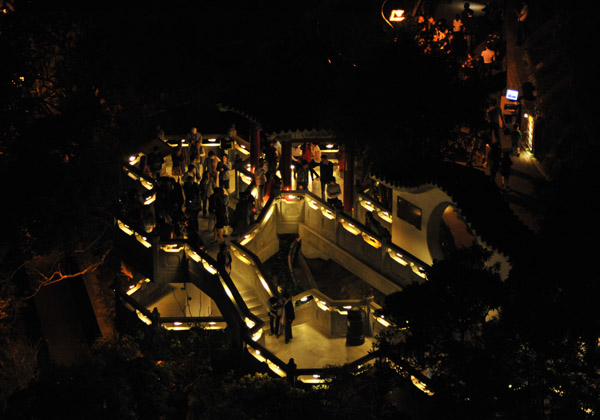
{"points": [[527, 174]]}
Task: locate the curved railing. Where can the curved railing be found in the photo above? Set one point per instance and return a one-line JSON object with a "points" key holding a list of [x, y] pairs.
{"points": [[315, 216]]}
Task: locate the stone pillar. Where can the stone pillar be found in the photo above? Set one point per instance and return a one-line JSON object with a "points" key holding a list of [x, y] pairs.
{"points": [[285, 164], [348, 179]]}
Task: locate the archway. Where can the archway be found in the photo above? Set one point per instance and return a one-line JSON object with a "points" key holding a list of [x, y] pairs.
{"points": [[447, 231]]}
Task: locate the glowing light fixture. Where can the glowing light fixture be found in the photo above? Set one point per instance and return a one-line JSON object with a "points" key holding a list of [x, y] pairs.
{"points": [[143, 317], [312, 204], [350, 227], [397, 15], [247, 238], [385, 215], [210, 268], [125, 228], [419, 384], [371, 241], [150, 199], [172, 248], [143, 240], [327, 213], [396, 256], [367, 204], [193, 255]]}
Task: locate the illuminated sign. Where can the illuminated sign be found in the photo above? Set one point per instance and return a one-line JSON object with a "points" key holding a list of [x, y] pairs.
{"points": [[512, 95], [397, 15]]}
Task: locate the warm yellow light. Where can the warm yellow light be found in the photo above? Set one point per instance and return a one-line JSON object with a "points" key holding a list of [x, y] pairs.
{"points": [[172, 248], [385, 216], [265, 285], [151, 199], [193, 255], [322, 305], [350, 227], [397, 15], [256, 336], [419, 271], [276, 369], [143, 317], [396, 256], [248, 238], [133, 175], [257, 355], [420, 385], [245, 179], [367, 204], [242, 257], [371, 241], [327, 213], [312, 204], [249, 323], [146, 184], [125, 228], [143, 240], [209, 268], [134, 287], [383, 322]]}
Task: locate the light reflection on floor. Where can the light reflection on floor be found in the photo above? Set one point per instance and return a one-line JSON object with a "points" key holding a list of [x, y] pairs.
{"points": [[312, 349]]}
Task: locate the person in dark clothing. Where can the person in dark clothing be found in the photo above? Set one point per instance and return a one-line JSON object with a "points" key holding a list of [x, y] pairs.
{"points": [[204, 193], [224, 259], [155, 162], [288, 316], [275, 312], [494, 159], [505, 165], [271, 157], [302, 176], [326, 170], [223, 169], [191, 192], [241, 216], [220, 214]]}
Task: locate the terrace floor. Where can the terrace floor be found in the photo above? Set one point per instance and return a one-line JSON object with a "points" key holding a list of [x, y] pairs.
{"points": [[312, 349]]}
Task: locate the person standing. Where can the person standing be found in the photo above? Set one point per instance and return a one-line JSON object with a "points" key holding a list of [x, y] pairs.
{"points": [[302, 176], [488, 56], [288, 315], [260, 179], [315, 154], [275, 312], [326, 170], [493, 158], [223, 168], [220, 214], [224, 258], [468, 19], [333, 194], [505, 165]]}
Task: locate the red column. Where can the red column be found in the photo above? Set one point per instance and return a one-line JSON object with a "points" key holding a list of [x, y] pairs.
{"points": [[348, 178], [285, 163], [254, 146]]}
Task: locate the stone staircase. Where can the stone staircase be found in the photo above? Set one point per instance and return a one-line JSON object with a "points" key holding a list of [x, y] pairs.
{"points": [[253, 302]]}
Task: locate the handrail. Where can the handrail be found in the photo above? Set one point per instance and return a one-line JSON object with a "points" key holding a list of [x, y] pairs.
{"points": [[272, 290], [341, 305]]}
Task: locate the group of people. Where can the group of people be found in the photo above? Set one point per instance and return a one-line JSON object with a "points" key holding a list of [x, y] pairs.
{"points": [[458, 39], [306, 157], [281, 310]]}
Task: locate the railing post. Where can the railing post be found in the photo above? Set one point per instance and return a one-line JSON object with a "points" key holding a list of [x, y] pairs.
{"points": [[291, 372]]}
